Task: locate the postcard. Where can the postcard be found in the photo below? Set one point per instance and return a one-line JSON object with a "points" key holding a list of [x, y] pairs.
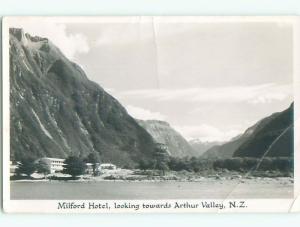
{"points": [[151, 114]]}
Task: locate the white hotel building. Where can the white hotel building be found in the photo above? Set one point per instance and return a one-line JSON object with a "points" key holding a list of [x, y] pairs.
{"points": [[54, 164], [57, 165]]}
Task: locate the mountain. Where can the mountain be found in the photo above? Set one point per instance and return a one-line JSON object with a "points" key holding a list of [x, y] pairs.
{"points": [[256, 139], [162, 132], [57, 111], [223, 151], [273, 139], [201, 147], [226, 150]]}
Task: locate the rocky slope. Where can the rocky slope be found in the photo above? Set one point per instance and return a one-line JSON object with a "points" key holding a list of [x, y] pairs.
{"points": [[57, 111], [256, 139], [162, 132]]}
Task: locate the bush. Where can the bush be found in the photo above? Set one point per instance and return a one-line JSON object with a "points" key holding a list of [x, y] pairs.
{"points": [[190, 164], [280, 164], [94, 158], [42, 167], [246, 164], [145, 164], [283, 164], [26, 166], [74, 166]]}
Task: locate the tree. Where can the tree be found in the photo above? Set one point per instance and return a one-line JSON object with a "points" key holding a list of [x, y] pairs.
{"points": [[162, 158], [94, 158], [26, 166], [42, 167], [74, 166], [145, 164], [162, 166]]}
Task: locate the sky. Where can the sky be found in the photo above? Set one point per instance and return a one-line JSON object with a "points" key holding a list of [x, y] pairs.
{"points": [[210, 81]]}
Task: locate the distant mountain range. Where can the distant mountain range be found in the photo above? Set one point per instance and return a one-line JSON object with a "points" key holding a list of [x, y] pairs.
{"points": [[201, 147], [57, 111], [273, 134], [162, 132]]}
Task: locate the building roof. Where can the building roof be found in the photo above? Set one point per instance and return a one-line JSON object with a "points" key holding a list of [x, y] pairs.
{"points": [[107, 164], [54, 159]]}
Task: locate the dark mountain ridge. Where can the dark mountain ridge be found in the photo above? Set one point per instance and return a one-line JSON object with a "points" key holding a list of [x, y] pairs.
{"points": [[274, 137], [276, 130], [57, 111]]}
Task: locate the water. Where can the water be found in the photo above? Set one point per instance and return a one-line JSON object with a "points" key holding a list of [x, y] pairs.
{"points": [[208, 189]]}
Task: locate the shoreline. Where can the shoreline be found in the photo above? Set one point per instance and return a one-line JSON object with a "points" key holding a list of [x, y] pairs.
{"points": [[289, 180], [126, 175]]}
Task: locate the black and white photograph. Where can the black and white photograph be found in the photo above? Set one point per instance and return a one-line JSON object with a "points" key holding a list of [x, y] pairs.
{"points": [[139, 113]]}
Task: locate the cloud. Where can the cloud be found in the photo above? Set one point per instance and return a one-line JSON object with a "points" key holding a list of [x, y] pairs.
{"points": [[143, 114], [112, 36], [69, 43], [134, 31], [206, 132], [254, 94]]}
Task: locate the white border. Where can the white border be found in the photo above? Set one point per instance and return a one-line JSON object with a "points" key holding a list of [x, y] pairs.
{"points": [[50, 206], [6, 114]]}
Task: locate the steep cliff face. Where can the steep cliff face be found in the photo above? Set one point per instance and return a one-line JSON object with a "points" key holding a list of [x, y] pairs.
{"points": [[57, 111], [162, 132], [276, 130]]}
